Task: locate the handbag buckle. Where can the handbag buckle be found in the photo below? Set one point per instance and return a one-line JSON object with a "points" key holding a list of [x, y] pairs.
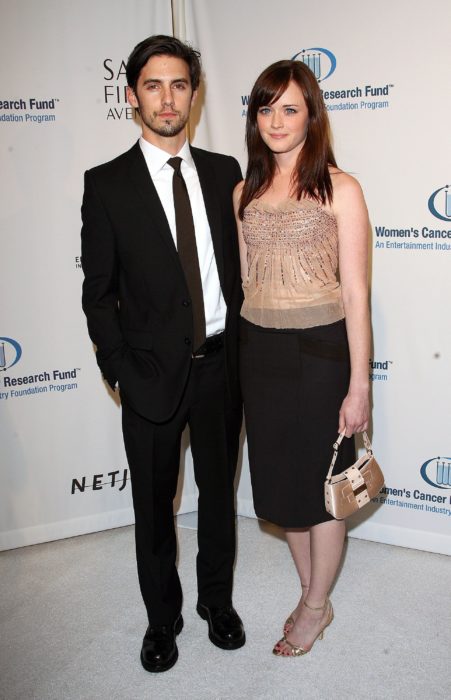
{"points": [[354, 476]]}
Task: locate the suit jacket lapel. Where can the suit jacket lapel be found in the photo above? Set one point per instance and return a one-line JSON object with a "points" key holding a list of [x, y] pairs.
{"points": [[141, 180], [213, 207]]}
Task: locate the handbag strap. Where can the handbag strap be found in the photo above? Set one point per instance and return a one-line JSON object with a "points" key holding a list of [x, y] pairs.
{"points": [[336, 445]]}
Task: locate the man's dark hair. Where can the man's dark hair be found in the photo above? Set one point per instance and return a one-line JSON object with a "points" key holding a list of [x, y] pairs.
{"points": [[162, 45]]}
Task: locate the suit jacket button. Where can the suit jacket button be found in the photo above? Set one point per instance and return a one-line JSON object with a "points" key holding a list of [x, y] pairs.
{"points": [[186, 302], [187, 341]]}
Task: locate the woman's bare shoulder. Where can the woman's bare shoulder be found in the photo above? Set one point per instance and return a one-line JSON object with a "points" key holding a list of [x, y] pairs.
{"points": [[346, 188], [343, 180]]}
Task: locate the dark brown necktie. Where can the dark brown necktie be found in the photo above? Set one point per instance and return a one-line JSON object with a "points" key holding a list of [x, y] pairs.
{"points": [[187, 250]]}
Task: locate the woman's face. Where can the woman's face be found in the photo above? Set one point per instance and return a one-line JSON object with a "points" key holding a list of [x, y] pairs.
{"points": [[283, 124]]}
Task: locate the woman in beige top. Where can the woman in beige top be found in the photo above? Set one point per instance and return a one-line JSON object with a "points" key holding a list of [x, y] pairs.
{"points": [[305, 330]]}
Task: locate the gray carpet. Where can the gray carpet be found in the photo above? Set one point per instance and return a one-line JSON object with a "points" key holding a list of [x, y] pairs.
{"points": [[72, 621]]}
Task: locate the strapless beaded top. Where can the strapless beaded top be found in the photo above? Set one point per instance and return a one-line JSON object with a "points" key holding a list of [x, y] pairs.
{"points": [[292, 255]]}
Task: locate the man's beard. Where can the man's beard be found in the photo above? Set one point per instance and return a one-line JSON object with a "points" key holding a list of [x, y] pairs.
{"points": [[166, 128]]}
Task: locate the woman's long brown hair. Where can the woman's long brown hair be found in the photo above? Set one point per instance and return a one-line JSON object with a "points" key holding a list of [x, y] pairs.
{"points": [[311, 178]]}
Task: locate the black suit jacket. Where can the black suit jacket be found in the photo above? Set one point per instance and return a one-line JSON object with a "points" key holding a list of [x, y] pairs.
{"points": [[135, 295]]}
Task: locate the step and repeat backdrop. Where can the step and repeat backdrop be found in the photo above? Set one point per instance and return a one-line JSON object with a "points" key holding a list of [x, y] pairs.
{"points": [[384, 72]]}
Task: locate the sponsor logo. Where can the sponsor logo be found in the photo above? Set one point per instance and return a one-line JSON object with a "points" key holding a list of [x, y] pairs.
{"points": [[439, 203], [423, 238], [55, 381], [379, 370], [30, 110], [116, 479], [115, 91], [321, 62], [10, 353], [415, 500], [437, 472]]}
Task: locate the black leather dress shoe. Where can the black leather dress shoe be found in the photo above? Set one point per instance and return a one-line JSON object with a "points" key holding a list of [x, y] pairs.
{"points": [[159, 651], [225, 628]]}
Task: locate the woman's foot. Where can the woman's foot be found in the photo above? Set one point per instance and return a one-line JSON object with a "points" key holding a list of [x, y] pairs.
{"points": [[290, 621], [308, 627]]}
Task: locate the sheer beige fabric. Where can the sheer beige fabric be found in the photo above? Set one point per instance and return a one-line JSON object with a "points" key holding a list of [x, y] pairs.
{"points": [[292, 254]]}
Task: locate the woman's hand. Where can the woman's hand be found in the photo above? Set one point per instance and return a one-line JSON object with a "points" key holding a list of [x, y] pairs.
{"points": [[354, 413]]}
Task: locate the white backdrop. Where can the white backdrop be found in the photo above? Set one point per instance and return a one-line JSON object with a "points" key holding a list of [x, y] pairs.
{"points": [[384, 71]]}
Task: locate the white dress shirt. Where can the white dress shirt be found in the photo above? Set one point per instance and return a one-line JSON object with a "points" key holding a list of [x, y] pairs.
{"points": [[162, 174]]}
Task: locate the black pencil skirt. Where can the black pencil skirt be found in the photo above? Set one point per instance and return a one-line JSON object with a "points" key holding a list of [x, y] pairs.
{"points": [[293, 383]]}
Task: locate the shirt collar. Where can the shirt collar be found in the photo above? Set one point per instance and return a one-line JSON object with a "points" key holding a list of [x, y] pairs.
{"points": [[156, 158]]}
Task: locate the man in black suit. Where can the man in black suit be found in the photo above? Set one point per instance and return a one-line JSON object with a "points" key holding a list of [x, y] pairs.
{"points": [[162, 295]]}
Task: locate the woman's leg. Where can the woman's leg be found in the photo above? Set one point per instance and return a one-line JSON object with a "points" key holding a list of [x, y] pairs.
{"points": [[326, 546], [299, 544]]}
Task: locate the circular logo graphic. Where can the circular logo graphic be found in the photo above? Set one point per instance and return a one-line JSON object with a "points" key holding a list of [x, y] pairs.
{"points": [[321, 62], [10, 353], [439, 203], [437, 472]]}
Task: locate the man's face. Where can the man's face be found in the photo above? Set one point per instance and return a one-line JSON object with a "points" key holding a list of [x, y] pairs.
{"points": [[164, 98]]}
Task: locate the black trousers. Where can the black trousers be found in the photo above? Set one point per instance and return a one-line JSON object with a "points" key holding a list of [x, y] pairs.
{"points": [[153, 453]]}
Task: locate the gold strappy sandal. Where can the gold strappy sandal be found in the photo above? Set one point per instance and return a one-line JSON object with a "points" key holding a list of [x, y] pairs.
{"points": [[299, 651], [289, 622]]}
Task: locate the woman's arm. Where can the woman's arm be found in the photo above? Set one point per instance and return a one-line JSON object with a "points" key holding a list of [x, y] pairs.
{"points": [[353, 226], [239, 224]]}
